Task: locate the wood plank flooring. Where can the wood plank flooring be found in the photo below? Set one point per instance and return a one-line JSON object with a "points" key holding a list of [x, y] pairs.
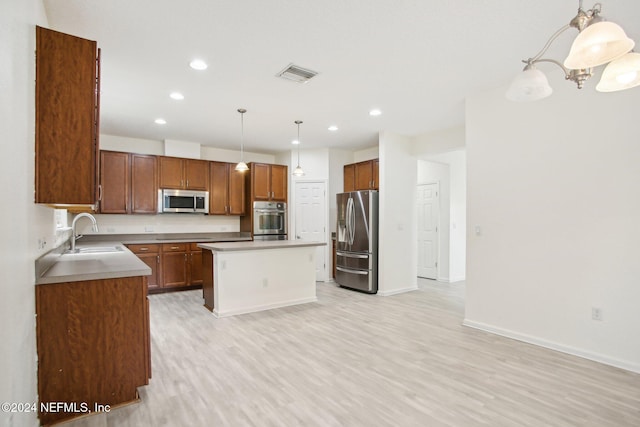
{"points": [[358, 360]]}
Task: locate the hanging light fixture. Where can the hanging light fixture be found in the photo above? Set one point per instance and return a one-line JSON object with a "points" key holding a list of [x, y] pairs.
{"points": [[242, 166], [298, 170], [598, 42]]}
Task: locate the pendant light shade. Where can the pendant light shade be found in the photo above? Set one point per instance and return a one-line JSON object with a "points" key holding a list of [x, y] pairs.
{"points": [[598, 44], [242, 166], [298, 170], [530, 85], [623, 73]]}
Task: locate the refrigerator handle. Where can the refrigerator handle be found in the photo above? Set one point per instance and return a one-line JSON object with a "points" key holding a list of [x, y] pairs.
{"points": [[352, 221], [348, 270], [349, 255]]}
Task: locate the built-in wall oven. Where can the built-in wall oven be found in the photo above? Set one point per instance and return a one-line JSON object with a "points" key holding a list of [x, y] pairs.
{"points": [[269, 221]]}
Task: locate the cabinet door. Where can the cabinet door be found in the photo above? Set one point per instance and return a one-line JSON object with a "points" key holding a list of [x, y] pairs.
{"points": [[66, 145], [349, 178], [218, 191], [195, 263], [279, 183], [153, 261], [363, 175], [236, 191], [261, 181], [144, 184], [375, 175], [171, 172], [114, 182], [196, 174], [174, 269]]}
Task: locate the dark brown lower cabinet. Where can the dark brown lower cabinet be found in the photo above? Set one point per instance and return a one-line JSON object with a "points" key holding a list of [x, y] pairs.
{"points": [[174, 266], [93, 344], [207, 283]]}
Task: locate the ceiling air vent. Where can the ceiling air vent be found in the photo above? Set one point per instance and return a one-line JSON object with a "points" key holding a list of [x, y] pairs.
{"points": [[297, 74]]}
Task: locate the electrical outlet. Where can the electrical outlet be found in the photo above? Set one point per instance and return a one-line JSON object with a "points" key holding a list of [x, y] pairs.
{"points": [[596, 313], [265, 282], [148, 228]]}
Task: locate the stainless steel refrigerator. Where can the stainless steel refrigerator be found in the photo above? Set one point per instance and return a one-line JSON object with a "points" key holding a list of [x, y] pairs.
{"points": [[357, 241]]}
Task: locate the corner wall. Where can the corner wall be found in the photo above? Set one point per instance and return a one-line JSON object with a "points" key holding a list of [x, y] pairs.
{"points": [[25, 222], [397, 259], [553, 186]]}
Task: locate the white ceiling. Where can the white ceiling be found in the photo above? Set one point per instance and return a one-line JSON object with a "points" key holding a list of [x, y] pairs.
{"points": [[416, 60]]}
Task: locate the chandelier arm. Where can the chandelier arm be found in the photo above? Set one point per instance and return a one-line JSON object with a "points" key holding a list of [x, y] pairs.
{"points": [[567, 72], [548, 44]]}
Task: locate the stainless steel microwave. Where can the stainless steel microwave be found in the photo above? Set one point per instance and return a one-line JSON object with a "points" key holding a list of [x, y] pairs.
{"points": [[183, 201]]}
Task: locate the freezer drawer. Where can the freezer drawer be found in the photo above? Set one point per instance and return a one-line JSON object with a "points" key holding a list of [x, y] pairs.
{"points": [[361, 280], [354, 260]]}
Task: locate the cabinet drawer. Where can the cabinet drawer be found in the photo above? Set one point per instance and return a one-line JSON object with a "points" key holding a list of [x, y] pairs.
{"points": [[194, 248], [174, 247], [144, 249]]}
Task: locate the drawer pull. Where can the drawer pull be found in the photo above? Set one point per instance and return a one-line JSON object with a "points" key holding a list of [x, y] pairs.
{"points": [[174, 248], [144, 249]]}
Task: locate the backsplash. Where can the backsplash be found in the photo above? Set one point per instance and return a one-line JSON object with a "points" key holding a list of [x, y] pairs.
{"points": [[163, 223]]}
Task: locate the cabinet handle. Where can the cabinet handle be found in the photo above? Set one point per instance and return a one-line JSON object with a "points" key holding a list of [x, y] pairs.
{"points": [[144, 249], [185, 257], [182, 183], [174, 248], [158, 259], [187, 183], [100, 192]]}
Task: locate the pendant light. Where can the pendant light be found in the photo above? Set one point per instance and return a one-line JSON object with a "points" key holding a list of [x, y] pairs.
{"points": [[298, 171], [242, 166]]}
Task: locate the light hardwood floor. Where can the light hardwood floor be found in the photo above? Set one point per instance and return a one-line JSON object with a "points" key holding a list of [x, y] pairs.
{"points": [[359, 360]]}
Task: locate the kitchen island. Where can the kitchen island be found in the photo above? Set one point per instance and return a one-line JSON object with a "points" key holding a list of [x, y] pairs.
{"points": [[243, 277]]}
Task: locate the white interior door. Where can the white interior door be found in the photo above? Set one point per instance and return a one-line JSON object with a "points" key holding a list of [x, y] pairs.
{"points": [[311, 220], [428, 215]]}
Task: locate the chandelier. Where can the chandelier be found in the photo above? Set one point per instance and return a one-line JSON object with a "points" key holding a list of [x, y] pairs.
{"points": [[598, 42]]}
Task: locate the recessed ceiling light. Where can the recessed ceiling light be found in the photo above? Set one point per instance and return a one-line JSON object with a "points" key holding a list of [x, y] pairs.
{"points": [[161, 121], [198, 64], [333, 128], [375, 112], [295, 142], [177, 96]]}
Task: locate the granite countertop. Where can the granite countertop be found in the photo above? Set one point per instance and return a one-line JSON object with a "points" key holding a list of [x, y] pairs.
{"points": [[58, 267], [258, 245]]}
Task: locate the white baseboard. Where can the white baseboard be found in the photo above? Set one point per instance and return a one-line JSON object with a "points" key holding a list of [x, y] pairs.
{"points": [[397, 291], [457, 279], [262, 307], [585, 354], [442, 279]]}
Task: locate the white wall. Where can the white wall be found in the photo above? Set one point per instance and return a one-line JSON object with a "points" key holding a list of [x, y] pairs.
{"points": [[397, 257], [162, 223], [337, 159], [366, 154], [157, 148], [554, 187], [442, 141], [24, 222]]}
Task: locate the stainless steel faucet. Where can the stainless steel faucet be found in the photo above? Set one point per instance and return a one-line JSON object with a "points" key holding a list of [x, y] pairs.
{"points": [[74, 236]]}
